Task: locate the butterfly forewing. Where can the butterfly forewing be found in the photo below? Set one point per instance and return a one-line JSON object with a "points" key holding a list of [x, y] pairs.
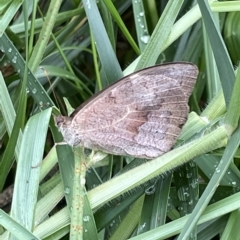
{"points": [[140, 115]]}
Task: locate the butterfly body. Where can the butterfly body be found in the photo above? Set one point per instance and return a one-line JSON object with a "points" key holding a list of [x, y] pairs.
{"points": [[140, 115]]}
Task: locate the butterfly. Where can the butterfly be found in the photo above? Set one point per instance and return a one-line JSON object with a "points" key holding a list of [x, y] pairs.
{"points": [[141, 115]]}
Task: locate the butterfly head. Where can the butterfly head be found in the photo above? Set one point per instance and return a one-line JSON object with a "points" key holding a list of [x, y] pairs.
{"points": [[64, 125]]}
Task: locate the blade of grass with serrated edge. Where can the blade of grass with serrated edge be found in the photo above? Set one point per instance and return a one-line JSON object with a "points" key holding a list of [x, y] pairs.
{"points": [[36, 89], [226, 160], [213, 211], [116, 186], [107, 56], [160, 34], [28, 169], [223, 61]]}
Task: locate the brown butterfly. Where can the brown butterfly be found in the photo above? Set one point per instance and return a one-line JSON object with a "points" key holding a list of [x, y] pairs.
{"points": [[140, 115]]}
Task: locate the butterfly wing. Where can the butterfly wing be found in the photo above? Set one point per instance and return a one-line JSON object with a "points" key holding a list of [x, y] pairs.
{"points": [[140, 115]]}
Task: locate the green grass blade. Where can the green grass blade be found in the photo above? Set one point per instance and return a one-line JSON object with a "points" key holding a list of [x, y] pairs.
{"points": [[121, 24], [44, 36], [156, 167], [35, 88], [227, 158], [28, 171], [160, 35], [223, 61], [13, 129], [6, 17], [213, 211], [233, 113], [140, 24], [14, 227], [107, 56]]}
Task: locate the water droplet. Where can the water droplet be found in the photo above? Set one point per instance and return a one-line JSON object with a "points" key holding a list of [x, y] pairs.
{"points": [[145, 38], [150, 190], [82, 181], [34, 91], [189, 175], [27, 90], [183, 195], [141, 14], [234, 183], [142, 227], [18, 70], [9, 50], [88, 4], [14, 60], [86, 218], [67, 190], [190, 202], [217, 170]]}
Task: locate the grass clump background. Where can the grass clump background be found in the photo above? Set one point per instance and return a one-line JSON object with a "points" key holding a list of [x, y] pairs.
{"points": [[51, 50]]}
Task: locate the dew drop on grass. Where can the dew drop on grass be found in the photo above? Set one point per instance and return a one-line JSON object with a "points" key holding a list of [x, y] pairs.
{"points": [[14, 60], [145, 38], [67, 190], [86, 218], [34, 91]]}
